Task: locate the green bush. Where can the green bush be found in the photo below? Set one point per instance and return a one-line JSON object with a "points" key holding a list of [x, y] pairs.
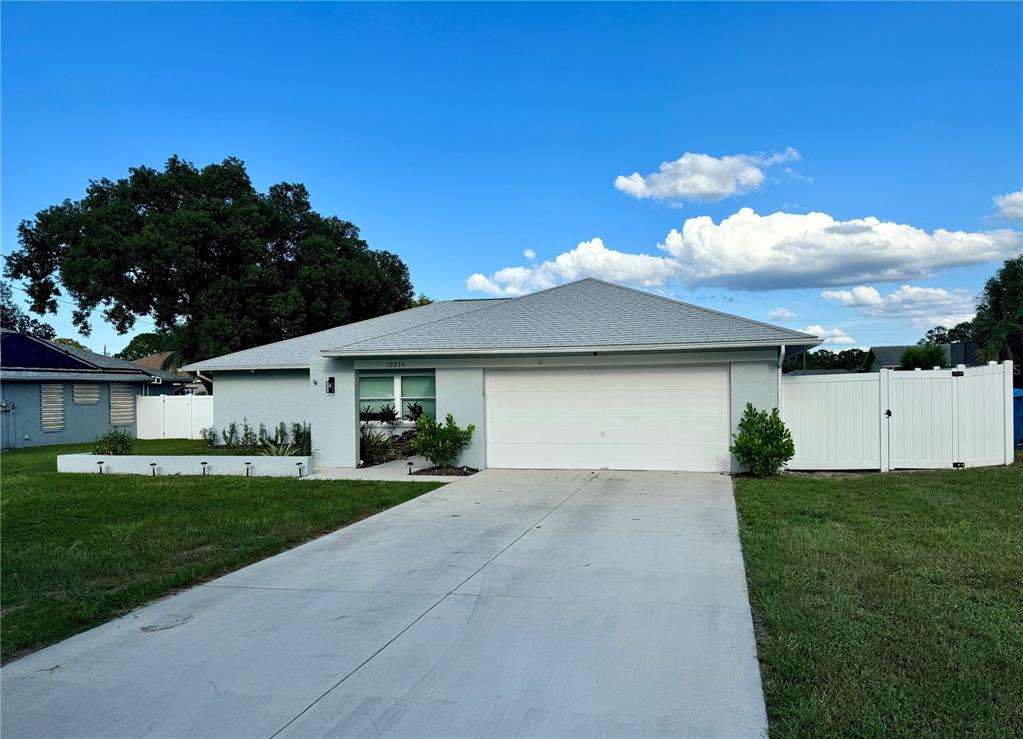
{"points": [[762, 444], [114, 442], [375, 448], [440, 444], [925, 356]]}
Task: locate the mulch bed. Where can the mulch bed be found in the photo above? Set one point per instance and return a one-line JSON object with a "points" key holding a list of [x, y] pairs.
{"points": [[447, 471]]}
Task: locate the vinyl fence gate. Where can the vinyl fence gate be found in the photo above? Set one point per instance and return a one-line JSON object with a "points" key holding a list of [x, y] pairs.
{"points": [[173, 416], [941, 418]]}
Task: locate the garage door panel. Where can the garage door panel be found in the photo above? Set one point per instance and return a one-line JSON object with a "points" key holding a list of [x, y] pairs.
{"points": [[619, 418]]}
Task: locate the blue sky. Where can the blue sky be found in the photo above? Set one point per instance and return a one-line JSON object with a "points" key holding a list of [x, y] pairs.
{"points": [[460, 136]]}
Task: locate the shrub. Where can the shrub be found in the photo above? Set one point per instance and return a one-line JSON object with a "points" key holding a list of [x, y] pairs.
{"points": [[114, 442], [209, 435], [375, 448], [923, 357], [387, 414], [441, 444], [230, 435], [249, 439], [762, 444], [302, 437], [415, 410]]}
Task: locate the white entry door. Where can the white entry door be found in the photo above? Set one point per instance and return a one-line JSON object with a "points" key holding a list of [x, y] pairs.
{"points": [[628, 418]]}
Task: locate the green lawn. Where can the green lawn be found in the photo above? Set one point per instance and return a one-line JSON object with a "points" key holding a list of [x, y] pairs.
{"points": [[78, 550], [888, 605]]}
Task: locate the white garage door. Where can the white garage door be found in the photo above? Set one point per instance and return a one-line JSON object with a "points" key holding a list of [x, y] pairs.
{"points": [[636, 418]]}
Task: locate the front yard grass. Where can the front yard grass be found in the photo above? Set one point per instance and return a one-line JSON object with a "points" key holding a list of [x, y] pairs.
{"points": [[77, 550], [888, 605]]}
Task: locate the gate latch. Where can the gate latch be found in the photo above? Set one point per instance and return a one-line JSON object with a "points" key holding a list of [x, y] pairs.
{"points": [[888, 413], [957, 373], [958, 465]]}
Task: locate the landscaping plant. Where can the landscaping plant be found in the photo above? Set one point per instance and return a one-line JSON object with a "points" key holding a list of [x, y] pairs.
{"points": [[924, 356], [114, 442], [763, 444], [375, 448], [441, 444]]}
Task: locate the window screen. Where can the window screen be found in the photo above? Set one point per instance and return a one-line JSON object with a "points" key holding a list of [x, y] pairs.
{"points": [[122, 404], [51, 411], [85, 394]]}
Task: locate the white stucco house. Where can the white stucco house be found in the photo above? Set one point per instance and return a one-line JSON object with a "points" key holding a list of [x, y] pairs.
{"points": [[584, 375]]}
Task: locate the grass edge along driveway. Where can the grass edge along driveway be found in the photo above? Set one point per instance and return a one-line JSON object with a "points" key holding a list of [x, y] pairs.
{"points": [[78, 550], [888, 605]]}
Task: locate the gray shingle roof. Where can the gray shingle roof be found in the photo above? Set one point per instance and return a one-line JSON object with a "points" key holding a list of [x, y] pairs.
{"points": [[298, 351], [584, 314], [587, 313]]}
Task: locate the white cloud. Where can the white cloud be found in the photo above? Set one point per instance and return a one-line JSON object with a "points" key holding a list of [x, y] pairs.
{"points": [[923, 307], [780, 314], [834, 336], [588, 259], [529, 254], [781, 250], [703, 177], [747, 250], [1010, 206]]}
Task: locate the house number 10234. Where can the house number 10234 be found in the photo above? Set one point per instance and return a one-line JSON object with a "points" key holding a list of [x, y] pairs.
{"points": [[394, 365]]}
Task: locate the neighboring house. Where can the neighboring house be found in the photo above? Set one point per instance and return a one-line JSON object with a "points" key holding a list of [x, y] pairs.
{"points": [[56, 394], [890, 357], [585, 375], [156, 362]]}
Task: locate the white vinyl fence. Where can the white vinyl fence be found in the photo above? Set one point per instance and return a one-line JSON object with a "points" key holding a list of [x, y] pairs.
{"points": [[173, 416], [958, 417]]}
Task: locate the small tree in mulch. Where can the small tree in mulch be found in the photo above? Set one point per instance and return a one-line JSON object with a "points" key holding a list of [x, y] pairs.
{"points": [[763, 444], [441, 444]]}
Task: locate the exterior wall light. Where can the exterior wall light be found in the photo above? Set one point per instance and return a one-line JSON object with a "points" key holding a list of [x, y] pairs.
{"points": [[330, 386]]}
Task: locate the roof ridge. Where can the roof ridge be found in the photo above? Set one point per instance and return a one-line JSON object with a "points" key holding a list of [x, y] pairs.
{"points": [[674, 301]]}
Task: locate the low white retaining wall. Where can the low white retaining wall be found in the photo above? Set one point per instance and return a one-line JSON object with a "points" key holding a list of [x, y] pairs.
{"points": [[138, 464]]}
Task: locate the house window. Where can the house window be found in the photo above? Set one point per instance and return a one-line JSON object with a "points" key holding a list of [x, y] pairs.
{"points": [[122, 404], [51, 407], [398, 391], [85, 394], [421, 390]]}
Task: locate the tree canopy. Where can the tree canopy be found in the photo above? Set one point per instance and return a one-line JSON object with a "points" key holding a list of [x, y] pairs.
{"points": [[67, 341], [142, 345], [204, 251], [847, 359], [941, 335], [998, 326], [13, 318], [923, 356]]}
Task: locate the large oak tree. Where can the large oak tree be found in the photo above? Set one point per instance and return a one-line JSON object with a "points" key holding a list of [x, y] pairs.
{"points": [[202, 250]]}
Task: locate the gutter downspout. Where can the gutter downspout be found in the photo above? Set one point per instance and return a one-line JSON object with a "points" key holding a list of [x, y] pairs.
{"points": [[206, 381], [781, 361]]}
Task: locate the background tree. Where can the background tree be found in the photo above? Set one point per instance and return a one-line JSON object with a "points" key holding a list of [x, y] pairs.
{"points": [[847, 359], [924, 356], [64, 340], [941, 335], [204, 249], [142, 345], [13, 318], [998, 326]]}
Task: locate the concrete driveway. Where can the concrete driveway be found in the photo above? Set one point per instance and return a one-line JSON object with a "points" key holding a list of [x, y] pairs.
{"points": [[511, 603]]}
